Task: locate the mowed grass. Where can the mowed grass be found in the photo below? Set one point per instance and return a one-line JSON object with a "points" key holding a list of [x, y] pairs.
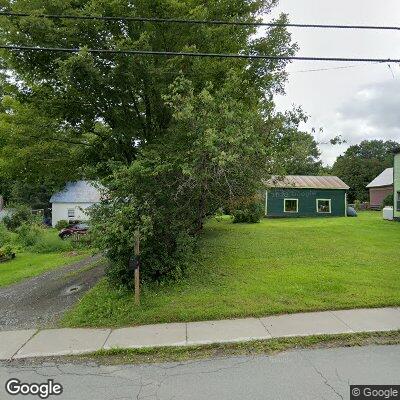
{"points": [[27, 265], [277, 266]]}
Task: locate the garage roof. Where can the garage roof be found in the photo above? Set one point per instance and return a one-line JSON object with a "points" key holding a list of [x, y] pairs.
{"points": [[306, 182], [384, 179]]}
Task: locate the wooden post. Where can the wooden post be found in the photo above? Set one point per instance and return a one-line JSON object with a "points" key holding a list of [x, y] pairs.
{"points": [[137, 268]]}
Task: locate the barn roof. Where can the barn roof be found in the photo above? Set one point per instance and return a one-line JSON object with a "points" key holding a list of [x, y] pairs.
{"points": [[384, 179], [78, 192], [306, 182]]}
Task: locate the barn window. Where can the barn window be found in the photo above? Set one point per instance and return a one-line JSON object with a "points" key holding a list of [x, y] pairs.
{"points": [[71, 213], [324, 206], [291, 205]]}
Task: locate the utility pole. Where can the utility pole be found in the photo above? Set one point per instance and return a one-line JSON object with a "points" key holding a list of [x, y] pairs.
{"points": [[137, 268]]}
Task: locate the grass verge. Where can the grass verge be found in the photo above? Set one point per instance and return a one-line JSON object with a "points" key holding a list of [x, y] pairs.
{"points": [[253, 348]]}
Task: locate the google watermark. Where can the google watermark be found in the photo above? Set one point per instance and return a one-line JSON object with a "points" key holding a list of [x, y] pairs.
{"points": [[374, 392], [15, 387]]}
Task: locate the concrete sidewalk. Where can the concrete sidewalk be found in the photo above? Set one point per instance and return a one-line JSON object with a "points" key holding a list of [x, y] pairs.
{"points": [[59, 342]]}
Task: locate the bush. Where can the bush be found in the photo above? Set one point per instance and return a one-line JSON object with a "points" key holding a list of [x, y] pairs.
{"points": [[389, 201], [249, 211], [159, 262], [21, 214], [39, 240], [166, 249], [62, 224], [82, 241], [5, 235], [7, 252], [51, 244], [29, 234]]}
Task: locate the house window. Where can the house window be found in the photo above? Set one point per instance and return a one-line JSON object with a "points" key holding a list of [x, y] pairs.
{"points": [[398, 201], [71, 213], [291, 205], [324, 206]]}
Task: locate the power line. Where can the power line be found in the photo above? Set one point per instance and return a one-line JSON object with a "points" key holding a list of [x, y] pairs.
{"points": [[197, 55], [197, 21], [331, 68]]}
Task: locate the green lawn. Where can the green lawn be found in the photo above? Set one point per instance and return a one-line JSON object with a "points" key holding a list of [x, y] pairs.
{"points": [[27, 265], [49, 252], [277, 266]]}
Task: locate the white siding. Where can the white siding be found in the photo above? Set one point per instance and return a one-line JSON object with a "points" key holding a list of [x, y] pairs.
{"points": [[60, 211]]}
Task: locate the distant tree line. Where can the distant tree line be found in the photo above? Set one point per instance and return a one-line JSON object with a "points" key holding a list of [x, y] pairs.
{"points": [[362, 163]]}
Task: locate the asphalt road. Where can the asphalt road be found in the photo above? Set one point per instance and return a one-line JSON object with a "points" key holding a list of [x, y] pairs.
{"points": [[40, 301], [305, 374]]}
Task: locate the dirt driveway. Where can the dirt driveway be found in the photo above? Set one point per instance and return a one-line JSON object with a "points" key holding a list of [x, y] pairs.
{"points": [[41, 301]]}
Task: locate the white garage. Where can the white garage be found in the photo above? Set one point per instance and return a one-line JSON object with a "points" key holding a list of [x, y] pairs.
{"points": [[72, 203]]}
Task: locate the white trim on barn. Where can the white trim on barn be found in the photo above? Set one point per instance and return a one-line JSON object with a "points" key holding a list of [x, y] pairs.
{"points": [[330, 206], [297, 206]]}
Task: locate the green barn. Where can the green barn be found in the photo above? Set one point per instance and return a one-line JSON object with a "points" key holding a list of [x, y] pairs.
{"points": [[305, 196], [396, 181]]}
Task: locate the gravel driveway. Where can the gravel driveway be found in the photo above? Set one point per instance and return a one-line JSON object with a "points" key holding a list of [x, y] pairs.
{"points": [[40, 301]]}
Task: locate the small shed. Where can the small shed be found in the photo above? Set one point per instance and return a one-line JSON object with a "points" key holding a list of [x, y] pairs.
{"points": [[72, 203], [380, 188], [305, 196]]}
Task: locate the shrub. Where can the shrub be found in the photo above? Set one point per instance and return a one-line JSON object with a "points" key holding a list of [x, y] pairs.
{"points": [[157, 263], [20, 215], [29, 234], [5, 235], [249, 211], [50, 243], [40, 240], [357, 205], [62, 224], [81, 241], [7, 252], [166, 249], [389, 201]]}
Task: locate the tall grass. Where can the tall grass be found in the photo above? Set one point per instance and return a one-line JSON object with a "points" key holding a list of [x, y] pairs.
{"points": [[40, 240]]}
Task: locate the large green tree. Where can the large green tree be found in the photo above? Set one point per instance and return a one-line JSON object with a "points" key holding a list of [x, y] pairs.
{"points": [[362, 163], [111, 102], [291, 150], [172, 138]]}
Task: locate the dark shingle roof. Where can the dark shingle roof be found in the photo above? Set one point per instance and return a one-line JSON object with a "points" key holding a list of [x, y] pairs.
{"points": [[306, 182], [78, 192]]}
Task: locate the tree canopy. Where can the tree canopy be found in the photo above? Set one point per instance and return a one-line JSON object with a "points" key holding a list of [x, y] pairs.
{"points": [[292, 151], [172, 138], [101, 107], [362, 163]]}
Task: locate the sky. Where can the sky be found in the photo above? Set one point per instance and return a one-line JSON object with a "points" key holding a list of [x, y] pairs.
{"points": [[361, 102]]}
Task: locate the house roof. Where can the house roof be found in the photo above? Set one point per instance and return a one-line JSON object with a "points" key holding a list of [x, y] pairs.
{"points": [[78, 192], [306, 182], [384, 179]]}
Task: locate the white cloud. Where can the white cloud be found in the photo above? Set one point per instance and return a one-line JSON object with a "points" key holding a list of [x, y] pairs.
{"points": [[359, 102], [377, 106]]}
